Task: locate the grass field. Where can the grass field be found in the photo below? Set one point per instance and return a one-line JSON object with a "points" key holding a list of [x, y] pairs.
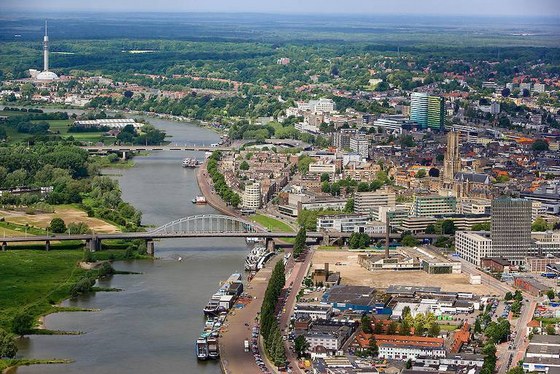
{"points": [[41, 221], [33, 280], [270, 223]]}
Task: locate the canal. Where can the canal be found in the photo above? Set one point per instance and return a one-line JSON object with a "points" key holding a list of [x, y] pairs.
{"points": [[152, 324]]}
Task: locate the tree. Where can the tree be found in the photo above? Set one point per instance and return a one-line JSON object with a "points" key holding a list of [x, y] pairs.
{"points": [[508, 296], [477, 326], [57, 225], [299, 242], [434, 330], [539, 225], [540, 145], [22, 323], [409, 241], [408, 364], [518, 296], [404, 328], [128, 94], [244, 165], [301, 345], [366, 324], [325, 177], [516, 307], [405, 312], [359, 240], [349, 207], [550, 294], [78, 228], [481, 226], [378, 328], [431, 229], [506, 92], [516, 370], [421, 174], [434, 173], [448, 227], [8, 347], [392, 328], [550, 330], [372, 346]]}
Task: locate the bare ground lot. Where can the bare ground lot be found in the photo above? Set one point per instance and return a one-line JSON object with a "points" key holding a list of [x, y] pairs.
{"points": [[353, 274], [67, 213]]}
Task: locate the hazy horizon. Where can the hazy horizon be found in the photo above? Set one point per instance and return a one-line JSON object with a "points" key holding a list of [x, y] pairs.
{"points": [[481, 8]]}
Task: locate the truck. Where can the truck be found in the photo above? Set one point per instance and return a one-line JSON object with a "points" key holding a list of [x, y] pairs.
{"points": [[246, 345]]}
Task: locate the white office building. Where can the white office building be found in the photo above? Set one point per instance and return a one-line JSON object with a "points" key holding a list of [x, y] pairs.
{"points": [[365, 201], [342, 222], [472, 246]]}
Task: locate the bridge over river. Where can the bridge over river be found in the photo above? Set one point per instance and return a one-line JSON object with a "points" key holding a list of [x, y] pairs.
{"points": [[199, 226]]}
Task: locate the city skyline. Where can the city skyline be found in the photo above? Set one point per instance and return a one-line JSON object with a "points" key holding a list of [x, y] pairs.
{"points": [[374, 7]]}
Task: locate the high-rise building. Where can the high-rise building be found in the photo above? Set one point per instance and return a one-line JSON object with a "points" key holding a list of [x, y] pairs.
{"points": [[428, 111], [452, 159], [436, 112], [511, 228], [419, 108]]}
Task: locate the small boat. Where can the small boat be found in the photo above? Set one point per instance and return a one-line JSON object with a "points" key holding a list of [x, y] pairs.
{"points": [[190, 162], [199, 200], [202, 348]]}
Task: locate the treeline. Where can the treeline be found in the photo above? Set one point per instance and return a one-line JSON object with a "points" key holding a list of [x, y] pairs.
{"points": [[148, 135], [73, 175], [269, 325], [226, 193], [22, 122]]}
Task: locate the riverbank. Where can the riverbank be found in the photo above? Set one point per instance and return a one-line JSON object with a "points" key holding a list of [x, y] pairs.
{"points": [[206, 188], [239, 323], [8, 366]]}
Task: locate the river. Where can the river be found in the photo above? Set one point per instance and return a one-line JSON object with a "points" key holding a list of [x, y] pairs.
{"points": [[152, 324]]}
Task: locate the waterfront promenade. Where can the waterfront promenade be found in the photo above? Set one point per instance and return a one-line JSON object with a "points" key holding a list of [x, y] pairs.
{"points": [[215, 201], [239, 324]]}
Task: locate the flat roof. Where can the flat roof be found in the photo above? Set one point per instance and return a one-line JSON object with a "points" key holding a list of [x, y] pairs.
{"points": [[357, 295], [398, 289]]}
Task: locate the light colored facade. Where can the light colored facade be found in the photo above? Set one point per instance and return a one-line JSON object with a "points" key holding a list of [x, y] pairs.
{"points": [[341, 223], [365, 201], [432, 205], [252, 196], [320, 168], [547, 242], [360, 145], [474, 206], [313, 311], [395, 214], [472, 246]]}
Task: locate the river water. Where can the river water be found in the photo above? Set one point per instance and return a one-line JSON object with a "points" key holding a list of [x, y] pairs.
{"points": [[152, 324]]}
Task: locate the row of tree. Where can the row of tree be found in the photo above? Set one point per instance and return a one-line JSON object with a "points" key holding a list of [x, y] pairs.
{"points": [[226, 193], [270, 330]]}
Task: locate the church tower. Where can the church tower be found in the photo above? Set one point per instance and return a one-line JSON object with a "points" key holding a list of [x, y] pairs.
{"points": [[452, 159]]}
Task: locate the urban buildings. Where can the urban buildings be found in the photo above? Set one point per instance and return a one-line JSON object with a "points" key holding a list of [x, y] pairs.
{"points": [[472, 246], [419, 108], [342, 222], [511, 228], [428, 111], [432, 205], [365, 201], [252, 196]]}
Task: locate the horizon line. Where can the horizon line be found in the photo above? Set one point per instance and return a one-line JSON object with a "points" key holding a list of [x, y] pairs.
{"points": [[12, 11]]}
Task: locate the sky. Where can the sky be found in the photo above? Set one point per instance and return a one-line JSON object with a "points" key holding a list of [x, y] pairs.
{"points": [[402, 7]]}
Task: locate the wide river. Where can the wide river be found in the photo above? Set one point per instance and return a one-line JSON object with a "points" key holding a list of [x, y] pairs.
{"points": [[149, 327]]}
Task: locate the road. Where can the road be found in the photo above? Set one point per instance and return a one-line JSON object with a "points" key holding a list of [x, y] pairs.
{"points": [[487, 280], [294, 280], [520, 342]]}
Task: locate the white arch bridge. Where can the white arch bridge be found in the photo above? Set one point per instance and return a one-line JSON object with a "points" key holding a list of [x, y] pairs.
{"points": [[208, 224], [199, 226]]}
